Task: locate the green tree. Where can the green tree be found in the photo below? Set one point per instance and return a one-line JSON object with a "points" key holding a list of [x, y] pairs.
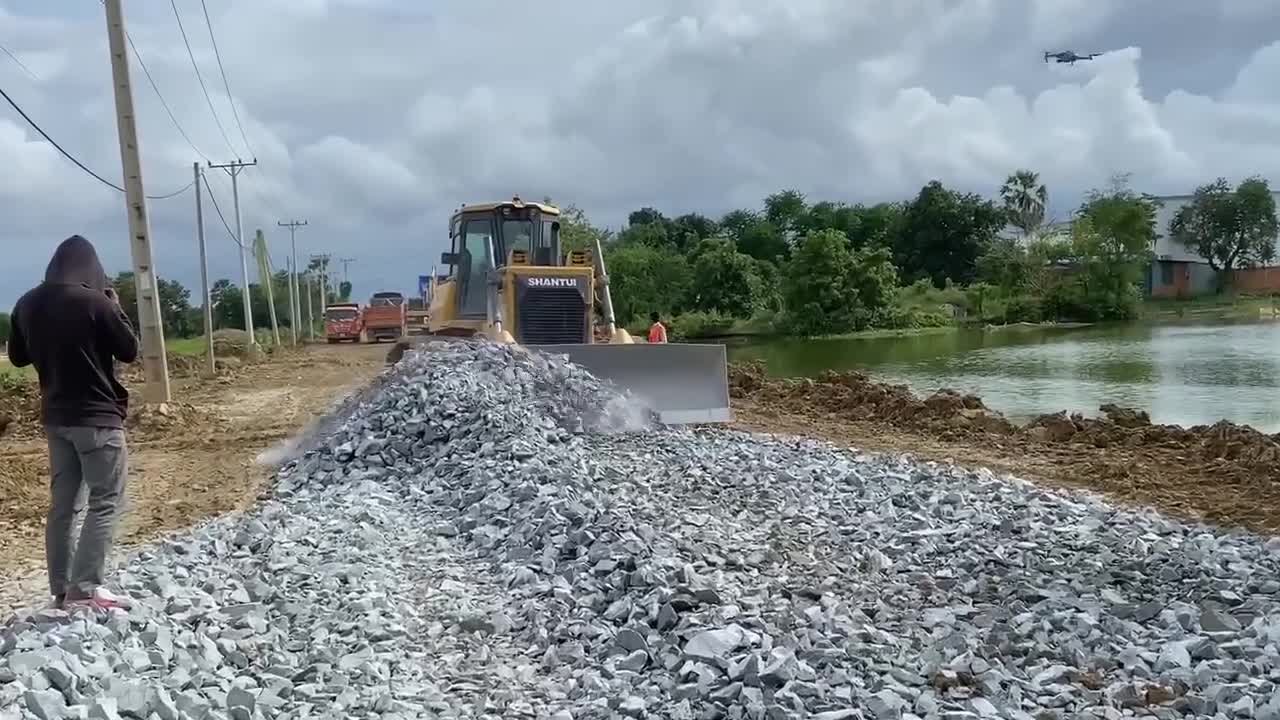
{"points": [[695, 224], [827, 215], [175, 304], [831, 289], [725, 281], [1112, 239], [877, 225], [175, 309], [577, 232], [863, 225], [943, 232], [645, 279], [1229, 228], [1025, 200], [735, 222], [770, 299], [873, 285], [646, 216], [649, 234], [786, 210], [6, 327], [1006, 265], [228, 307], [344, 291], [763, 240]]}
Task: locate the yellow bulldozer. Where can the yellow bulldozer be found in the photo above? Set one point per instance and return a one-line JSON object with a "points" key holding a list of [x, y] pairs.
{"points": [[509, 280]]}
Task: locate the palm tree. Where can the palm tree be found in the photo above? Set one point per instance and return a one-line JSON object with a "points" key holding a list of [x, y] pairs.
{"points": [[1025, 199]]}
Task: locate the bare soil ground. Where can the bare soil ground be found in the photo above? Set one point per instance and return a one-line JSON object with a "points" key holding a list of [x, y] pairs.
{"points": [[1224, 474], [193, 461]]}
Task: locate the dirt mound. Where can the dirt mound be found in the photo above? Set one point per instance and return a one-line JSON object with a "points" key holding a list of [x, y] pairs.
{"points": [[167, 418], [1125, 417], [1243, 445], [234, 343], [1224, 473], [19, 407], [855, 396], [24, 486]]}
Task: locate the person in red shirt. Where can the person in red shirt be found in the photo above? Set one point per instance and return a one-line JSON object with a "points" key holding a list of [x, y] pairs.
{"points": [[657, 331]]}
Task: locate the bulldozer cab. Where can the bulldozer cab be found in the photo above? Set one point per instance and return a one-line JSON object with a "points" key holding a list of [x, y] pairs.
{"points": [[484, 238]]}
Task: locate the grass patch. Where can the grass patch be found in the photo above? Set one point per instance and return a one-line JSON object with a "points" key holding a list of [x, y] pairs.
{"points": [[185, 346], [1225, 306], [8, 370]]}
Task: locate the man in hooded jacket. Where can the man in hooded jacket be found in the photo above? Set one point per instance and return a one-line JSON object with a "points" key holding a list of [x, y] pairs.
{"points": [[72, 329]]}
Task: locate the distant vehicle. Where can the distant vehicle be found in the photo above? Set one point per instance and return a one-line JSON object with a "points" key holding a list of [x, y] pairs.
{"points": [[416, 316], [1068, 57], [385, 317], [343, 323]]}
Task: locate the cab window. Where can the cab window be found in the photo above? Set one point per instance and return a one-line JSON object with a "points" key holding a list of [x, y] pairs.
{"points": [[474, 264], [517, 235]]}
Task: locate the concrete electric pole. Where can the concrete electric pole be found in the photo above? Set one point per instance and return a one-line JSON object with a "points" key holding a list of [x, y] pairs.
{"points": [[345, 262], [154, 362], [234, 169], [204, 276], [263, 255], [295, 311], [324, 281], [311, 321]]}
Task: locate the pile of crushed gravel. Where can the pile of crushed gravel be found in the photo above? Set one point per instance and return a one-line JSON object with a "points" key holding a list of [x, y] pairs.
{"points": [[487, 533]]}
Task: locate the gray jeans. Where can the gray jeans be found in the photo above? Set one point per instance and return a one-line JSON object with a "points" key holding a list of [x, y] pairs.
{"points": [[83, 461]]}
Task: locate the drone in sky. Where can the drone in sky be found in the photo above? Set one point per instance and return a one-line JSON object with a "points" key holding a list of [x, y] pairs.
{"points": [[1068, 57]]}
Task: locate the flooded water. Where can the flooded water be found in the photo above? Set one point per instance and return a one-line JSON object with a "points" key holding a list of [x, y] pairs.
{"points": [[1181, 374]]}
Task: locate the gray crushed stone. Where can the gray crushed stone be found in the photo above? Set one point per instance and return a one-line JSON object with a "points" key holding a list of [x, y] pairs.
{"points": [[489, 533]]}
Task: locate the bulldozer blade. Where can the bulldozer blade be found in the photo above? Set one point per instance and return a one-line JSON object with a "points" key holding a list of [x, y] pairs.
{"points": [[683, 383]]}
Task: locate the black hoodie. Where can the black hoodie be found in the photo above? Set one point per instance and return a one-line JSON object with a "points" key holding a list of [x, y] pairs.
{"points": [[72, 331]]}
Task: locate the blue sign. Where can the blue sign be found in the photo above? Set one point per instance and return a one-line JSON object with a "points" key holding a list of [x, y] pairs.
{"points": [[424, 285]]}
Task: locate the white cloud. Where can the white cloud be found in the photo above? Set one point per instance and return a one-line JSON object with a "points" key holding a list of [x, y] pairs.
{"points": [[373, 118]]}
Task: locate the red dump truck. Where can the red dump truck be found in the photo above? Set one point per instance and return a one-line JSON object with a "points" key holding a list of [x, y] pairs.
{"points": [[343, 323], [385, 318]]}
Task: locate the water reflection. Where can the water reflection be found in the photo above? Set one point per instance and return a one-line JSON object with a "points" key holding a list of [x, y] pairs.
{"points": [[1182, 374]]}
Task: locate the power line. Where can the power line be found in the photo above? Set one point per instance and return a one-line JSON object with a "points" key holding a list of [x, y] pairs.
{"points": [[220, 215], [72, 158], [230, 99], [177, 16], [151, 81], [14, 58], [173, 194]]}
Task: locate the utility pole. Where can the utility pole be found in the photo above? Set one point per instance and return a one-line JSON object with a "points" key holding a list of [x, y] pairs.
{"points": [[295, 311], [311, 321], [154, 361], [293, 305], [264, 272], [324, 281], [345, 262], [204, 275], [234, 169]]}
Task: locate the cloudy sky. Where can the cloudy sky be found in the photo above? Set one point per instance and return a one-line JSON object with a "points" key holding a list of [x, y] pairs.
{"points": [[372, 118]]}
